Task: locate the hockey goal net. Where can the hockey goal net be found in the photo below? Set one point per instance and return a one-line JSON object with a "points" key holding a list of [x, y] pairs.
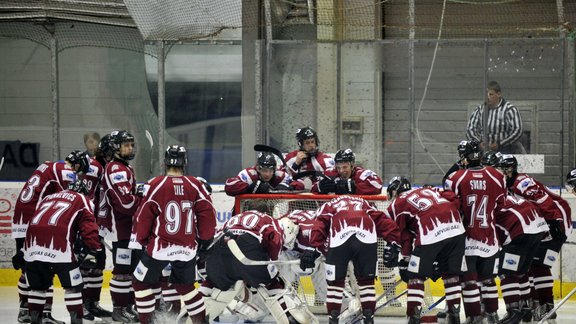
{"points": [[281, 204]]}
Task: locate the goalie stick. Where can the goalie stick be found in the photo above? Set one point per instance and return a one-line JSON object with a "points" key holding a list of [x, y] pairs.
{"points": [[275, 151], [553, 310], [235, 249]]}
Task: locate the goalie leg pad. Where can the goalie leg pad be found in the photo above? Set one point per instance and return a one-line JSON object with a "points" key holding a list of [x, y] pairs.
{"points": [[218, 300], [286, 307]]}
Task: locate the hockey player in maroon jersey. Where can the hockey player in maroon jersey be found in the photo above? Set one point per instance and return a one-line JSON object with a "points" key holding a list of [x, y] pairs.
{"points": [[48, 178], [352, 226], [520, 228], [481, 190], [175, 224], [93, 276], [261, 178], [308, 157], [431, 231], [118, 204], [556, 212], [52, 230], [347, 178], [261, 238]]}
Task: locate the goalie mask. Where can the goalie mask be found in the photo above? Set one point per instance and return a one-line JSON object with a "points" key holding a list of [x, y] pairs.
{"points": [[396, 186], [117, 138], [81, 159], [289, 232]]}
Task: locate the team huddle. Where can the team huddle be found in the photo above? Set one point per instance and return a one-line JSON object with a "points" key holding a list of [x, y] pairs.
{"points": [[487, 221]]}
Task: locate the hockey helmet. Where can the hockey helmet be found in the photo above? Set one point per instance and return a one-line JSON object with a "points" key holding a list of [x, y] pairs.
{"points": [[266, 160], [396, 186], [469, 150], [571, 181], [117, 138], [289, 232], [345, 156], [507, 162], [81, 159], [175, 156], [490, 158], [80, 186], [305, 133]]}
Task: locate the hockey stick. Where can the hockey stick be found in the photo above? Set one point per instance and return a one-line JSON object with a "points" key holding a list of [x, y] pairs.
{"points": [[389, 289], [553, 310], [275, 151], [305, 174], [151, 142], [431, 307], [389, 301], [1, 163], [235, 249]]}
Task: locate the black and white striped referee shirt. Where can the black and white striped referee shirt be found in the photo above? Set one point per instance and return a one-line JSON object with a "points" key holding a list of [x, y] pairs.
{"points": [[504, 124]]}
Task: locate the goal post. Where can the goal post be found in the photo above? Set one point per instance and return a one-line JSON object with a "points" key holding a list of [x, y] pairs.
{"points": [[282, 204]]}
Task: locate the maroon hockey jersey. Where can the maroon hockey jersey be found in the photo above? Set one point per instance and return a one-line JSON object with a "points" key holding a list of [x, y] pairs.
{"points": [[305, 220], [93, 177], [263, 227], [481, 192], [118, 201], [552, 206], [425, 216], [518, 217], [320, 162], [343, 217], [366, 181], [176, 212], [52, 231], [48, 178], [239, 184]]}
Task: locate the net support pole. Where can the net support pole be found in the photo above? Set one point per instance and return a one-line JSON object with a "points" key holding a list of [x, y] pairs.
{"points": [[412, 98], [161, 101], [54, 85]]}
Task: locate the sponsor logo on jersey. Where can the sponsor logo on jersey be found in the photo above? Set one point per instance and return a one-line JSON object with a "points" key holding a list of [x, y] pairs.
{"points": [[92, 171], [329, 272], [244, 177], [68, 175], [413, 263], [510, 261], [139, 270], [119, 177], [76, 276], [123, 256], [551, 258]]}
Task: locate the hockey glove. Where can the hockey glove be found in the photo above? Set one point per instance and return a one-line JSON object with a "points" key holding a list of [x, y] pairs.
{"points": [[390, 256], [557, 230], [326, 185], [308, 259], [87, 259], [403, 270], [18, 260], [283, 187], [259, 187], [345, 187], [203, 251]]}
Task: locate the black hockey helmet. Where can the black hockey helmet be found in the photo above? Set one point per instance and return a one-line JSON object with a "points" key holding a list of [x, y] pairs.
{"points": [[79, 185], [266, 160], [469, 150], [105, 146], [396, 186], [175, 156], [306, 133], [80, 158], [507, 163], [345, 156], [571, 181], [490, 158], [117, 138]]}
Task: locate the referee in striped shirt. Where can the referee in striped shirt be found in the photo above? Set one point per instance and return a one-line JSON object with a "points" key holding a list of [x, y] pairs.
{"points": [[503, 123]]}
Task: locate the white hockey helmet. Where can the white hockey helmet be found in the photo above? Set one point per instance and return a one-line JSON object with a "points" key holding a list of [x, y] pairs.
{"points": [[289, 232]]}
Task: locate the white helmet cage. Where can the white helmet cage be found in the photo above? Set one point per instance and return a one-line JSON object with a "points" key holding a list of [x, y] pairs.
{"points": [[289, 232]]}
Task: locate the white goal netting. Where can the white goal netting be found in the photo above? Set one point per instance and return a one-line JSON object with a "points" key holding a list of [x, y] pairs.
{"points": [[285, 203]]}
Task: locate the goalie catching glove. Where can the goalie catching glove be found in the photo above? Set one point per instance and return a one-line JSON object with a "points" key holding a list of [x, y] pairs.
{"points": [[390, 256], [308, 259]]}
